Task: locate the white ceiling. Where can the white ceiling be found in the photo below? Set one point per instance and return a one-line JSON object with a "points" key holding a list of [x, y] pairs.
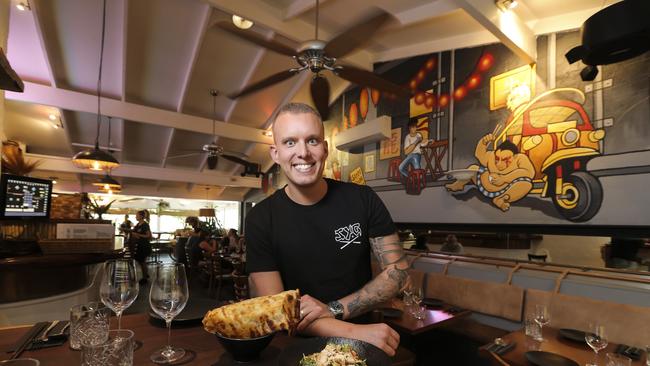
{"points": [[161, 58]]}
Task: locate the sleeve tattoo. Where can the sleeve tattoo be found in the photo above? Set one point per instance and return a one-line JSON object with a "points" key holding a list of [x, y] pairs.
{"points": [[386, 285]]}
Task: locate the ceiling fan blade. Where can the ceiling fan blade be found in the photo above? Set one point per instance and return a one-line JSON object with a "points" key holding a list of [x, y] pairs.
{"points": [[355, 36], [235, 159], [366, 78], [235, 153], [256, 38], [320, 95], [183, 155], [273, 79]]}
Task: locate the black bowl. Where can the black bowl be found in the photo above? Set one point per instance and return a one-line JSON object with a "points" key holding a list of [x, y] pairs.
{"points": [[245, 349]]}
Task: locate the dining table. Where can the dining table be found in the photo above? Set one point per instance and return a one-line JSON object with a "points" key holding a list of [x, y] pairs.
{"points": [[203, 348], [553, 342], [432, 318]]}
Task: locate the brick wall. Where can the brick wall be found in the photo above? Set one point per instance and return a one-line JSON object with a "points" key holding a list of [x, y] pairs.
{"points": [[66, 206]]}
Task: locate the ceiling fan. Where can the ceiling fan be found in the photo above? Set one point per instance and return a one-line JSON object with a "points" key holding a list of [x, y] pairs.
{"points": [[215, 151], [316, 56]]}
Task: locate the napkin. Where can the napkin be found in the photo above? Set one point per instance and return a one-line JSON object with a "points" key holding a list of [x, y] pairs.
{"points": [[629, 351], [55, 337], [500, 349]]}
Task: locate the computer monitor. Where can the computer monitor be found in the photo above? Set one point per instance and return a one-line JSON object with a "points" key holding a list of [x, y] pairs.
{"points": [[25, 197]]}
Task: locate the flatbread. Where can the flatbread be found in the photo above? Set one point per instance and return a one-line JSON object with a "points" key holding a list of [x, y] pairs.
{"points": [[255, 317]]}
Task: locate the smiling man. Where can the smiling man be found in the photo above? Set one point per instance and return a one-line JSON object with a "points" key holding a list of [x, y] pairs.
{"points": [[317, 235]]}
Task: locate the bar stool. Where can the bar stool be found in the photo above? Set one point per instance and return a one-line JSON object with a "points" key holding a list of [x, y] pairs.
{"points": [[393, 170], [416, 181]]}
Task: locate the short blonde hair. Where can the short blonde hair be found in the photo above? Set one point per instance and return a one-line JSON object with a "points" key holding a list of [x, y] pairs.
{"points": [[297, 108]]}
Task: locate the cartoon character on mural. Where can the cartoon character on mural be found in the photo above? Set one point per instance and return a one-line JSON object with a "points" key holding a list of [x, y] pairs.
{"points": [[550, 140], [505, 175]]}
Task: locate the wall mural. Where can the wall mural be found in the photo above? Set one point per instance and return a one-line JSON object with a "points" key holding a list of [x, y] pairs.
{"points": [[486, 139]]}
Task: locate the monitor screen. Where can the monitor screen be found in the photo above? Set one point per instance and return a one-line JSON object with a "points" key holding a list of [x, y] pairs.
{"points": [[25, 197]]}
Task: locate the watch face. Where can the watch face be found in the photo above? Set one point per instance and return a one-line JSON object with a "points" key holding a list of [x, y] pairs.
{"points": [[336, 308]]}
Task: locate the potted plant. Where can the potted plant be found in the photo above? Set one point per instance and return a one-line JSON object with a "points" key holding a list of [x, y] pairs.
{"points": [[98, 209], [13, 161]]}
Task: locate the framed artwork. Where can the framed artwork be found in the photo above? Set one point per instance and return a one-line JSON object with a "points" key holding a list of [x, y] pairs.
{"points": [[390, 148], [369, 162]]}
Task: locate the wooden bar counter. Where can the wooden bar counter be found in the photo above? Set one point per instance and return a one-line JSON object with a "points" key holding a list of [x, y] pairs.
{"points": [[38, 276]]}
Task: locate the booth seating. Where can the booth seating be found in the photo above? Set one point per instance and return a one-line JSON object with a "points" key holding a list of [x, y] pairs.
{"points": [[626, 324], [501, 300]]}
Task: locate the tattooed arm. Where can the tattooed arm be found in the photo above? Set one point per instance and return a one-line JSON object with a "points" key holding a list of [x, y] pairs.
{"points": [[387, 284]]}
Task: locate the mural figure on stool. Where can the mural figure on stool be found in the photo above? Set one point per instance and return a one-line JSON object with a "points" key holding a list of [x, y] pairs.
{"points": [[412, 143], [504, 175]]}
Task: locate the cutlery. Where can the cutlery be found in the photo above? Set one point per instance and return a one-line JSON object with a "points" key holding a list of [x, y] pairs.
{"points": [[27, 339], [43, 337]]}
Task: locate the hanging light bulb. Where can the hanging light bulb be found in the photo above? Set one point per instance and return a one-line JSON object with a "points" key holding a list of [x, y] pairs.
{"points": [[97, 159]]}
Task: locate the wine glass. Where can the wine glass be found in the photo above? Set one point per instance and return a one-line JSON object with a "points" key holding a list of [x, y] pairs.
{"points": [[542, 317], [119, 286], [596, 338], [167, 297]]}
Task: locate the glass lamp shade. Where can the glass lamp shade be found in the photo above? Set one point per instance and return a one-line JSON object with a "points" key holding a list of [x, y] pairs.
{"points": [[95, 159], [206, 212]]}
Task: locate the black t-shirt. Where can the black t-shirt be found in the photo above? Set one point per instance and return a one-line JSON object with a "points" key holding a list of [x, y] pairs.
{"points": [[322, 249]]}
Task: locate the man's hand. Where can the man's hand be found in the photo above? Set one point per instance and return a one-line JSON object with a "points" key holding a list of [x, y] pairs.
{"points": [[380, 335], [310, 310]]}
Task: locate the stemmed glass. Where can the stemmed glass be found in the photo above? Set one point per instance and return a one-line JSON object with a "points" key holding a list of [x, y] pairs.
{"points": [[119, 286], [542, 317], [167, 298], [418, 296], [596, 338]]}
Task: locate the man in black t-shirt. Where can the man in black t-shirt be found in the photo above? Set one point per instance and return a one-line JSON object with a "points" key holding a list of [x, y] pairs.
{"points": [[317, 234]]}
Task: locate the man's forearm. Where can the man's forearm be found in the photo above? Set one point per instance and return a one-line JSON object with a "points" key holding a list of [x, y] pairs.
{"points": [[328, 327], [382, 288]]}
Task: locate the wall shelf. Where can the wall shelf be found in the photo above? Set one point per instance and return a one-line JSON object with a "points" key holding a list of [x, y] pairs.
{"points": [[371, 131]]}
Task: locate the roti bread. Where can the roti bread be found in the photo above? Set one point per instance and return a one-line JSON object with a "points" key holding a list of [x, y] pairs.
{"points": [[255, 317]]}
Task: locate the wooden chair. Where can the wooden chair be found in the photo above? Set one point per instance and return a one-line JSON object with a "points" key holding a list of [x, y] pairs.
{"points": [[496, 360], [241, 286]]}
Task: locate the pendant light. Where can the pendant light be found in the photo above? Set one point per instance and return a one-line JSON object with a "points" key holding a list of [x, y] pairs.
{"points": [[108, 183], [208, 211], [97, 159]]}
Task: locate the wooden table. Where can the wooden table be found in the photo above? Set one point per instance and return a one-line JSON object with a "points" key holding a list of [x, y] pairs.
{"points": [[205, 347], [433, 154], [433, 318], [553, 342]]}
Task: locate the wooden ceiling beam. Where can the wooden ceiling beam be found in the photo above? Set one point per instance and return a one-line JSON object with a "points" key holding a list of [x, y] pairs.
{"points": [[81, 102]]}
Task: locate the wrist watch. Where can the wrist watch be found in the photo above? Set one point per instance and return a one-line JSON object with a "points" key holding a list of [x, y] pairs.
{"points": [[336, 308]]}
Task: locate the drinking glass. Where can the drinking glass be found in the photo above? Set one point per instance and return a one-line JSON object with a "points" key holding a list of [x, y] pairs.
{"points": [[542, 317], [596, 338], [88, 324], [614, 359], [117, 350], [119, 286], [167, 297]]}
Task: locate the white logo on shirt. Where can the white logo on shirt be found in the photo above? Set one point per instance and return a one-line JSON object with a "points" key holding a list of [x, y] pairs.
{"points": [[348, 234]]}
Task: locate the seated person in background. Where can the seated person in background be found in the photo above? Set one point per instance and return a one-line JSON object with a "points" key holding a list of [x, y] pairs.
{"points": [[207, 245], [233, 240], [317, 235], [420, 243], [625, 252], [451, 245]]}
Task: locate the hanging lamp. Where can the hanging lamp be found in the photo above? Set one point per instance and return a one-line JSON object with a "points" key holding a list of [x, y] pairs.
{"points": [[108, 183], [207, 211], [97, 159]]}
